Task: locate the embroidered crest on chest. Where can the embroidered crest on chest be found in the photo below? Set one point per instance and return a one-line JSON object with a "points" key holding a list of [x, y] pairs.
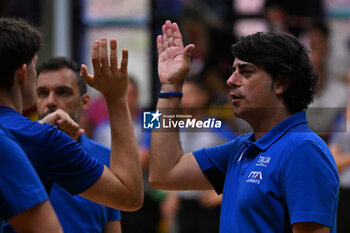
{"points": [[263, 161]]}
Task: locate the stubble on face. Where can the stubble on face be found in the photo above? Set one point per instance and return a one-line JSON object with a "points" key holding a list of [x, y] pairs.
{"points": [[62, 84], [74, 116]]}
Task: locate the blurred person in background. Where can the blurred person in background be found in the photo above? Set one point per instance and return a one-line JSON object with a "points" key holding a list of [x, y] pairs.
{"points": [[340, 146], [62, 93], [294, 17], [323, 111]]}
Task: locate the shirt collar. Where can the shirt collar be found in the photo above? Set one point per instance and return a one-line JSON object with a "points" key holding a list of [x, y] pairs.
{"points": [[279, 130]]}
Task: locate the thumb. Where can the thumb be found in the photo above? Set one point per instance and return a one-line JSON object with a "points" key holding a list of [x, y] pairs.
{"points": [[79, 132], [84, 74], [188, 51]]}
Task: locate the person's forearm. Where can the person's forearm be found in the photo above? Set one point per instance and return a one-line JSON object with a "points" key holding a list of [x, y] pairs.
{"points": [[120, 186], [124, 160], [167, 165], [342, 162], [40, 218], [165, 146], [113, 227]]}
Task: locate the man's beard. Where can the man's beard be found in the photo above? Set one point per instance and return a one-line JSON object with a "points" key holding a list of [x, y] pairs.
{"points": [[51, 110]]}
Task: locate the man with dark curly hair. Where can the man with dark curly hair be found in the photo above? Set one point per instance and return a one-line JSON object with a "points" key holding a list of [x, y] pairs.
{"points": [[280, 178]]}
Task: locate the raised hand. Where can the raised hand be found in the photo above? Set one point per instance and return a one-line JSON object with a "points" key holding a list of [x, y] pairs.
{"points": [[110, 79], [173, 59]]}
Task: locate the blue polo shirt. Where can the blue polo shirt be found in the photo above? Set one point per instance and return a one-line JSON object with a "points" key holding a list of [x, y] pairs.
{"points": [[77, 214], [20, 187], [56, 157], [287, 176]]}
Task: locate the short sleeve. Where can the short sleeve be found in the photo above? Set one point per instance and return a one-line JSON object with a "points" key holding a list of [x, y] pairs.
{"points": [[20, 187], [69, 165], [310, 184], [213, 162], [113, 214]]}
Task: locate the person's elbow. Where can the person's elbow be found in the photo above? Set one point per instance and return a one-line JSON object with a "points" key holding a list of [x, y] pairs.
{"points": [[156, 181], [134, 201]]}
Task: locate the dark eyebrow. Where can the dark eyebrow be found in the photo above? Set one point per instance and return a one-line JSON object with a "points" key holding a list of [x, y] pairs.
{"points": [[59, 88], [63, 88], [242, 66], [41, 88], [246, 65]]}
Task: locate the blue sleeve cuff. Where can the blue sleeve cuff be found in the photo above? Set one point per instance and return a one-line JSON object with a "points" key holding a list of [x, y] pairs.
{"points": [[114, 214], [312, 217]]}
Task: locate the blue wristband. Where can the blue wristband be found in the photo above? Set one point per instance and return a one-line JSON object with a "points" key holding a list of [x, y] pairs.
{"points": [[170, 94]]}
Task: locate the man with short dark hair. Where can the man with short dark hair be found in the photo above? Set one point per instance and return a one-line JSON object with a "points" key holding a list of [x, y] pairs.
{"points": [[59, 87], [280, 178], [56, 157], [23, 200]]}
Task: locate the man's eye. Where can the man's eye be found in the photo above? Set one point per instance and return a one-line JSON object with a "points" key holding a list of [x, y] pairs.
{"points": [[42, 93], [63, 93], [246, 72], [232, 69]]}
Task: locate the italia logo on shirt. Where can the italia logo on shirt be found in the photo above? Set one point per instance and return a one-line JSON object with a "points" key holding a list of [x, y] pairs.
{"points": [[254, 177], [263, 161]]}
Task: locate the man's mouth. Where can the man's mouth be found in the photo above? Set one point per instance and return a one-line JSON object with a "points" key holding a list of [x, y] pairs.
{"points": [[235, 98], [51, 110]]}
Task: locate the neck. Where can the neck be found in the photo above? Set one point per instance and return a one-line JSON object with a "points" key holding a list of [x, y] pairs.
{"points": [[266, 120], [11, 99]]}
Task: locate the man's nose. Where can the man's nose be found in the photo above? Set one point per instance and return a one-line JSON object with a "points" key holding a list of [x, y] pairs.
{"points": [[234, 80], [51, 99]]}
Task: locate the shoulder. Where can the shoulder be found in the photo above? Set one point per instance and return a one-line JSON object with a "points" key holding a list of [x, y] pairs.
{"points": [[303, 136], [307, 150], [224, 152], [11, 151], [236, 143], [20, 125], [21, 188], [303, 142]]}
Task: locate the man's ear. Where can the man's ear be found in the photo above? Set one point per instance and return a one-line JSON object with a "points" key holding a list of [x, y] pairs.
{"points": [[85, 101], [21, 74], [281, 84]]}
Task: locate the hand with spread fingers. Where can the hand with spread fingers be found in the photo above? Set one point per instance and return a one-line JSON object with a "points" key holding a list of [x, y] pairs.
{"points": [[174, 59], [123, 181], [109, 78]]}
